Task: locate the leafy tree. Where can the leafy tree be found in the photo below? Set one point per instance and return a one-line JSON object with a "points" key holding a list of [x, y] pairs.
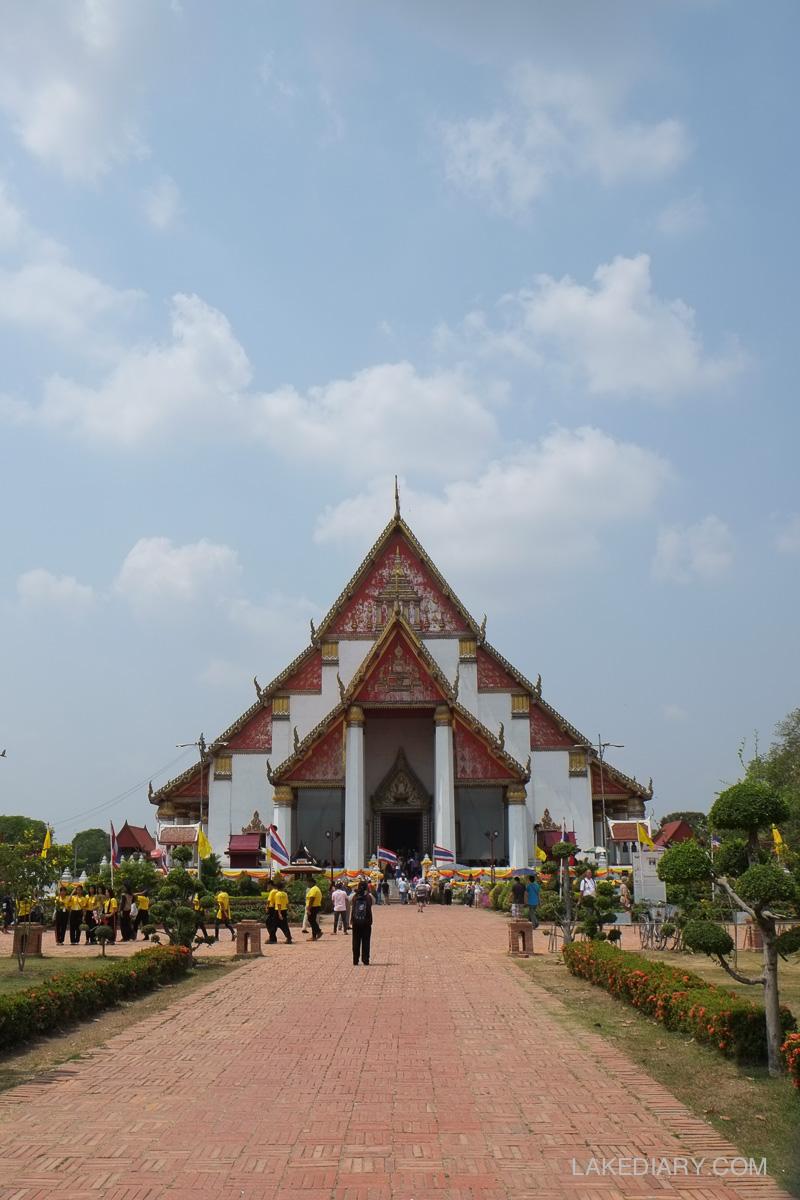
{"points": [[89, 847], [780, 768], [697, 820], [211, 877], [561, 853], [598, 910], [22, 829], [24, 875], [758, 888], [138, 876]]}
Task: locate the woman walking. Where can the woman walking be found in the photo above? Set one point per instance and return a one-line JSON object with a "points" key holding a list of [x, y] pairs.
{"points": [[361, 923]]}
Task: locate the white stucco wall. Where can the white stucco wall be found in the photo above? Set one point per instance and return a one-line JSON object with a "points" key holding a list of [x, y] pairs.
{"points": [[494, 707], [444, 652], [233, 801], [351, 656], [468, 687], [566, 798]]}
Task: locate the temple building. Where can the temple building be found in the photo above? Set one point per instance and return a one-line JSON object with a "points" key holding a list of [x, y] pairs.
{"points": [[399, 725]]}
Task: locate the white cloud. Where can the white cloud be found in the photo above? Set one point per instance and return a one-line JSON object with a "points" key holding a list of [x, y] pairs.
{"points": [[787, 541], [162, 203], [70, 78], [537, 512], [675, 713], [556, 124], [701, 552], [154, 389], [42, 589], [156, 573], [686, 215], [615, 336], [387, 417]]}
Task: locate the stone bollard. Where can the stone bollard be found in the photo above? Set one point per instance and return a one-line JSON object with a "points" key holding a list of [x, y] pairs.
{"points": [[520, 938], [33, 935], [248, 939]]}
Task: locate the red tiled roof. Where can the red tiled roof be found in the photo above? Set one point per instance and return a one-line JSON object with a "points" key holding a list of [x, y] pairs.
{"points": [[178, 835], [624, 831], [244, 843], [674, 831], [136, 837]]}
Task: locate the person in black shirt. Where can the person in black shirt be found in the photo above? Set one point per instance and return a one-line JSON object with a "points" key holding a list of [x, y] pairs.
{"points": [[361, 923]]}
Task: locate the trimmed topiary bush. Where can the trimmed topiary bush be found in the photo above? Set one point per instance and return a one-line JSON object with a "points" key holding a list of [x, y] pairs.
{"points": [[707, 938]]}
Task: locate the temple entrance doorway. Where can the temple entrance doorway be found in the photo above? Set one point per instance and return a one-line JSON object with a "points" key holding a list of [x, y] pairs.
{"points": [[402, 832]]}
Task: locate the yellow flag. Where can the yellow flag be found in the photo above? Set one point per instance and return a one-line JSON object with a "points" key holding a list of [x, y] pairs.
{"points": [[540, 854], [203, 845], [47, 843], [777, 839], [643, 837]]}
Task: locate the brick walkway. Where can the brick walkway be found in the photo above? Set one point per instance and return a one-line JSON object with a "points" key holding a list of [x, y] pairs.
{"points": [[438, 1072]]}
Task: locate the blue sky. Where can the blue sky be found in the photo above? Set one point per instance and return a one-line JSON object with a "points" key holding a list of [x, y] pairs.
{"points": [[538, 260]]}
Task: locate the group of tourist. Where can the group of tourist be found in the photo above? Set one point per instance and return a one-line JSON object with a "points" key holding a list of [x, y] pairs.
{"points": [[352, 913], [79, 911]]}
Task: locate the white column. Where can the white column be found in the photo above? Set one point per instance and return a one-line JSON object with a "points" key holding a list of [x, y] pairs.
{"points": [[518, 855], [444, 804], [354, 792], [283, 803]]}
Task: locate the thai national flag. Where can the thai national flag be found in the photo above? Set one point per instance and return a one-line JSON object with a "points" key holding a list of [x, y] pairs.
{"points": [[715, 842], [114, 847], [441, 854], [387, 856], [275, 847]]}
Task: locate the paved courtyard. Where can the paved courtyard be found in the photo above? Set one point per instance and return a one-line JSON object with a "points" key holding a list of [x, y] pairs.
{"points": [[439, 1071]]}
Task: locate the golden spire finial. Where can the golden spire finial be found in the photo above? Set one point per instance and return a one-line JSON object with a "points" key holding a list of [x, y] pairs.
{"points": [[396, 500]]}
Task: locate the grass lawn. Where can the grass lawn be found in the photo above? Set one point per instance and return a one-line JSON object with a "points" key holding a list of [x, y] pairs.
{"points": [[37, 969], [750, 963], [759, 1115]]}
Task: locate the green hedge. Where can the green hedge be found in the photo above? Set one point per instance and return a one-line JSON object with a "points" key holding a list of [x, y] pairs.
{"points": [[76, 995], [679, 999]]}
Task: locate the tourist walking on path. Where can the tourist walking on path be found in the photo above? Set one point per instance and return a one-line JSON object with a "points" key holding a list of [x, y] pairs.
{"points": [[423, 893], [402, 887], [223, 915], [142, 912], [518, 898], [339, 901], [588, 885], [271, 921], [313, 905], [361, 921], [532, 892], [280, 907], [199, 915]]}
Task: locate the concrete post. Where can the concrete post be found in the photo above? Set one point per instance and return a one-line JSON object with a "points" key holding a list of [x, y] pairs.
{"points": [[444, 802], [283, 803], [518, 854]]}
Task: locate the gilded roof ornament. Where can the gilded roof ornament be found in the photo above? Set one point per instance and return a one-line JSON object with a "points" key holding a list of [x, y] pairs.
{"points": [[538, 687], [457, 681], [528, 769], [258, 687], [396, 500], [150, 790], [482, 631], [650, 787], [296, 738], [270, 776], [201, 742], [501, 736], [313, 632], [341, 687]]}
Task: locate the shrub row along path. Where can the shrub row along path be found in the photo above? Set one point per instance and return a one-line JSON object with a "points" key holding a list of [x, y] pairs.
{"points": [[438, 1071]]}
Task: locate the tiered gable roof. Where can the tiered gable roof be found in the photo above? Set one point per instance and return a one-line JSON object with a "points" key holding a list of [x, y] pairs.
{"points": [[397, 572]]}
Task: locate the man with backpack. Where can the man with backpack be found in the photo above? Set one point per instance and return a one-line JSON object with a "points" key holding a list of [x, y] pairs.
{"points": [[361, 923]]}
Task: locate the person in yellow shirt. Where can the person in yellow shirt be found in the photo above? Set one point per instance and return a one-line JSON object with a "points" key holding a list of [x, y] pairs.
{"points": [[110, 910], [313, 906], [92, 912], [280, 905], [271, 918], [223, 915], [75, 914], [199, 915], [24, 909], [61, 915], [142, 912]]}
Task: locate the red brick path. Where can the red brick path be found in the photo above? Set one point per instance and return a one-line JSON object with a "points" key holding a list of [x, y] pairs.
{"points": [[437, 1072]]}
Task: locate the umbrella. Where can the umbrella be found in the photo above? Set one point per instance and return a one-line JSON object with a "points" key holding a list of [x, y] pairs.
{"points": [[522, 873]]}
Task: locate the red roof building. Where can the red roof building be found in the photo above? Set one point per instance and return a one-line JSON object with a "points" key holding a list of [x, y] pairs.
{"points": [[135, 839]]}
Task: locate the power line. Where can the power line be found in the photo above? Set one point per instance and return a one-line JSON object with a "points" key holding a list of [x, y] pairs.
{"points": [[122, 795]]}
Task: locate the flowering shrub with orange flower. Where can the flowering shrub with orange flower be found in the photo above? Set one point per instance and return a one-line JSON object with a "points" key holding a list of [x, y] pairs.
{"points": [[791, 1054], [679, 999], [74, 996]]}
